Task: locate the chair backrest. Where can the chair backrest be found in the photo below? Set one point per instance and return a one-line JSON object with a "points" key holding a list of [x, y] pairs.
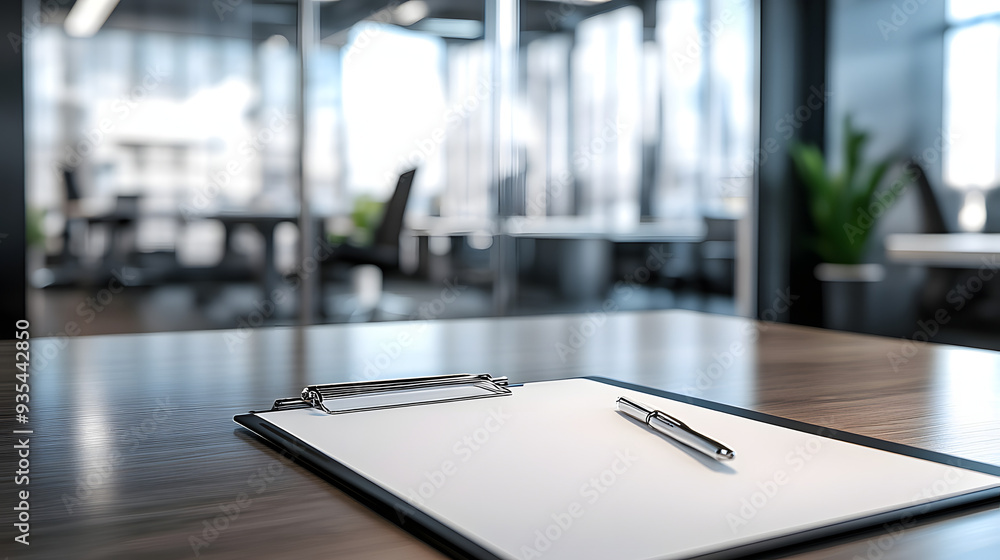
{"points": [[72, 189], [930, 210], [389, 228]]}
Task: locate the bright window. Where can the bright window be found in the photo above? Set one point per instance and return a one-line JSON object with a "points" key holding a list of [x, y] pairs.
{"points": [[394, 107], [971, 94]]}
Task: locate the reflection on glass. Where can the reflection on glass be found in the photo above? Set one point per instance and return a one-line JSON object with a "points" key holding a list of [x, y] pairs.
{"points": [[968, 388]]}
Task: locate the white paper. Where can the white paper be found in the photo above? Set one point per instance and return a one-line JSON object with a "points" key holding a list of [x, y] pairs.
{"points": [[555, 471]]}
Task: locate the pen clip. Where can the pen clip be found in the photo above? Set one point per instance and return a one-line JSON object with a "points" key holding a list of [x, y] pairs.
{"points": [[670, 420]]}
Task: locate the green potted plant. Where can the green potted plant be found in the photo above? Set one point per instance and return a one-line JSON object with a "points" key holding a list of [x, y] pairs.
{"points": [[34, 231], [844, 209], [365, 217], [34, 237]]}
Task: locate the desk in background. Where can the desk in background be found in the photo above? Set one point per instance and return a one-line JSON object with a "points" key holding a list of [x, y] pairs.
{"points": [[265, 224], [954, 260], [134, 449], [958, 250], [566, 249]]}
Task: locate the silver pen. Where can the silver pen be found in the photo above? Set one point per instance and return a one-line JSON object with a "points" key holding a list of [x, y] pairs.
{"points": [[670, 426]]}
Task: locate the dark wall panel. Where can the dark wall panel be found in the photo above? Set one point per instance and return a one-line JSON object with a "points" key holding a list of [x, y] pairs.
{"points": [[12, 233], [793, 85]]}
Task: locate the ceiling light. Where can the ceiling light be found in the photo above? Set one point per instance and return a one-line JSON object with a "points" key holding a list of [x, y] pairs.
{"points": [[87, 16], [409, 13], [451, 28]]}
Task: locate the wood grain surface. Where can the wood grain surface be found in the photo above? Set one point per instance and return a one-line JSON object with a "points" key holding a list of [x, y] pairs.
{"points": [[135, 455]]}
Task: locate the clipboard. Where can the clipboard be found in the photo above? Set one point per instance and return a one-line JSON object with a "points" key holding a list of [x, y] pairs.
{"points": [[483, 469]]}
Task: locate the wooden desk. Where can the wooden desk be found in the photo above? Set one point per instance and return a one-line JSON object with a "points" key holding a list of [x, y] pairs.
{"points": [[134, 449]]}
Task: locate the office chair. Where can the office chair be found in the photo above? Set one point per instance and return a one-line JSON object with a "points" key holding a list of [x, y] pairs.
{"points": [[930, 211], [383, 252], [941, 280], [936, 282], [71, 212], [64, 268]]}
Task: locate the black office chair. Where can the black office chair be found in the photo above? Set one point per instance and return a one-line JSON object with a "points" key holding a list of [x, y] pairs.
{"points": [[64, 268], [932, 221], [71, 213], [930, 210], [383, 251], [941, 280]]}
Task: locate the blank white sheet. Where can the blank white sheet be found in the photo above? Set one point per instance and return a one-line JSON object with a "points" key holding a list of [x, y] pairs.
{"points": [[555, 471]]}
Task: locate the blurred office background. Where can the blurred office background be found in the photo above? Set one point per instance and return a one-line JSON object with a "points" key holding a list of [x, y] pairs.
{"points": [[569, 156], [163, 150]]}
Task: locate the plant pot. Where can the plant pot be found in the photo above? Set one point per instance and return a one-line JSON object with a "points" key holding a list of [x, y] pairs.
{"points": [[845, 293]]}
